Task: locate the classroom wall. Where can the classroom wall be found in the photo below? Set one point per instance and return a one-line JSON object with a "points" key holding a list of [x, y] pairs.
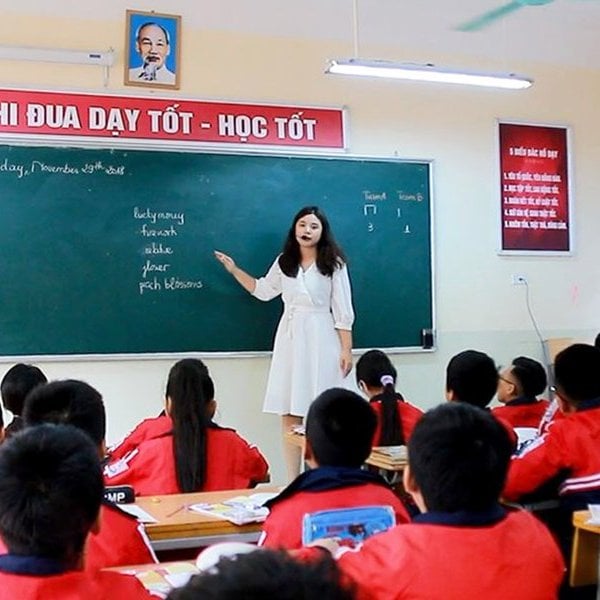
{"points": [[476, 305]]}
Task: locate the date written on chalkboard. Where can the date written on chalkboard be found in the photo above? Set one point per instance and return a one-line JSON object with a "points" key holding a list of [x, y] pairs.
{"points": [[160, 261], [20, 170]]}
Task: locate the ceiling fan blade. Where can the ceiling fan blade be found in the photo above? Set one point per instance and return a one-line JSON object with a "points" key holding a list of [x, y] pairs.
{"points": [[489, 17]]}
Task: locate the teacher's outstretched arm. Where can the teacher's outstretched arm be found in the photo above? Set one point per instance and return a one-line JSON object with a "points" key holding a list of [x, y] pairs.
{"points": [[244, 279]]}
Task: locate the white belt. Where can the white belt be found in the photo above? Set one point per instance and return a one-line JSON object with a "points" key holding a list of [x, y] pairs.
{"points": [[290, 312]]}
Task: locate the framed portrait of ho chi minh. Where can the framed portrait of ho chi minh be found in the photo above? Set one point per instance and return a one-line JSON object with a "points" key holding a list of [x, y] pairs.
{"points": [[152, 50]]}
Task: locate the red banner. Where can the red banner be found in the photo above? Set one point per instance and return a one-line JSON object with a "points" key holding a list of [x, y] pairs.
{"points": [[133, 117], [534, 188]]}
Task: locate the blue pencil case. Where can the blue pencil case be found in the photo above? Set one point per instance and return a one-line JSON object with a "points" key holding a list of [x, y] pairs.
{"points": [[351, 525]]}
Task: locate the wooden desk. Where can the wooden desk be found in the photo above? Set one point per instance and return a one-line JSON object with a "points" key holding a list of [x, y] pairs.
{"points": [[375, 458], [585, 554], [179, 527]]}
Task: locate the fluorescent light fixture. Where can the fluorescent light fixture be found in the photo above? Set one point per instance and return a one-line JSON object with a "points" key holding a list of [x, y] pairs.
{"points": [[427, 72], [78, 57]]}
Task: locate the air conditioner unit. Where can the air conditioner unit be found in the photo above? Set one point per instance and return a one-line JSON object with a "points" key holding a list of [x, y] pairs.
{"points": [[57, 55]]}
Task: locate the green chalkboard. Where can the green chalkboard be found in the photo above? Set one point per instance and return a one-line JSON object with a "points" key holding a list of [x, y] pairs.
{"points": [[110, 251]]}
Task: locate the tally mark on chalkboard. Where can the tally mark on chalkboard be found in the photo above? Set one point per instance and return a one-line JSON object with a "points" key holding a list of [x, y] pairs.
{"points": [[370, 207]]}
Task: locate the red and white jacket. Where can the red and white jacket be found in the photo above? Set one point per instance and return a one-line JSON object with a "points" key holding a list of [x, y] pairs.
{"points": [[453, 556], [570, 446], [522, 412], [146, 430], [231, 463]]}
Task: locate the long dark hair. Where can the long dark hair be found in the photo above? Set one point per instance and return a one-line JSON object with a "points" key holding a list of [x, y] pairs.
{"points": [[329, 255], [190, 389], [376, 370]]}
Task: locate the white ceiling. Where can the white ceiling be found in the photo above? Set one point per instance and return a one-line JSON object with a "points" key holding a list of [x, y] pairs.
{"points": [[562, 32]]}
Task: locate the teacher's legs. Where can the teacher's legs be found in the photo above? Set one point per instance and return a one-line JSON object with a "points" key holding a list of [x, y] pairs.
{"points": [[291, 452]]}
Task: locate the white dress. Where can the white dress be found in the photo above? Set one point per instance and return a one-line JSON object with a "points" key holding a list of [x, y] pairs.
{"points": [[306, 351]]}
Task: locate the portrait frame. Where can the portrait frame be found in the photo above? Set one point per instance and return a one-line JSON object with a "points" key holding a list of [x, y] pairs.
{"points": [[157, 63]]}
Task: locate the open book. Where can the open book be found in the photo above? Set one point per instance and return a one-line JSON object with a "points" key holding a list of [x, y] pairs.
{"points": [[398, 453], [238, 510], [160, 579]]}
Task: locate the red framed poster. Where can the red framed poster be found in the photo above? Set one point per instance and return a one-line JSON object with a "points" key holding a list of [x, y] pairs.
{"points": [[535, 203]]}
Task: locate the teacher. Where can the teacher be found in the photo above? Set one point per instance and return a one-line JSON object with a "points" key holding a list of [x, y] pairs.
{"points": [[313, 343]]}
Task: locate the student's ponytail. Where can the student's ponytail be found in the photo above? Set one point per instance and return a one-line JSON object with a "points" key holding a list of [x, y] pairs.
{"points": [[190, 389], [391, 429], [375, 370]]}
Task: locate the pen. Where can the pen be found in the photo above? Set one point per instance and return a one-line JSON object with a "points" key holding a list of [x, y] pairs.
{"points": [[182, 507]]}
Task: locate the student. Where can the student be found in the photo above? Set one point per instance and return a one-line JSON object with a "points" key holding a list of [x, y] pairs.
{"points": [[313, 344], [121, 540], [50, 495], [518, 387], [155, 427], [464, 544], [196, 454], [18, 381], [266, 575], [339, 430], [396, 418], [569, 449], [472, 378], [597, 341]]}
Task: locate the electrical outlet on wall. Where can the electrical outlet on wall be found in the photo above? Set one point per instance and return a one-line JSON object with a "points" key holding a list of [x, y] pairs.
{"points": [[518, 279]]}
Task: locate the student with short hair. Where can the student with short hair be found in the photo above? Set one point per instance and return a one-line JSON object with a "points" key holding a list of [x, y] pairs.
{"points": [[50, 495], [195, 454], [569, 449], [464, 544], [471, 377], [17, 382], [396, 418], [519, 384], [121, 540], [339, 430], [266, 575]]}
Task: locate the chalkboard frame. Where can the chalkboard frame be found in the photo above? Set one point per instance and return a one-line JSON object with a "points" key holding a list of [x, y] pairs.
{"points": [[233, 150]]}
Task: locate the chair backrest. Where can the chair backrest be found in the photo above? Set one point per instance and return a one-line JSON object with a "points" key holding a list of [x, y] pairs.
{"points": [[552, 346]]}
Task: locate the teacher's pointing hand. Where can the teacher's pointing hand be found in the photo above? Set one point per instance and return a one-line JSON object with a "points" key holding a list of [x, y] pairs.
{"points": [[225, 260]]}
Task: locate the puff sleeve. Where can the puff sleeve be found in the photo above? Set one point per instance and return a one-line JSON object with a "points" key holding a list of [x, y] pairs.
{"points": [[269, 286], [341, 299]]}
